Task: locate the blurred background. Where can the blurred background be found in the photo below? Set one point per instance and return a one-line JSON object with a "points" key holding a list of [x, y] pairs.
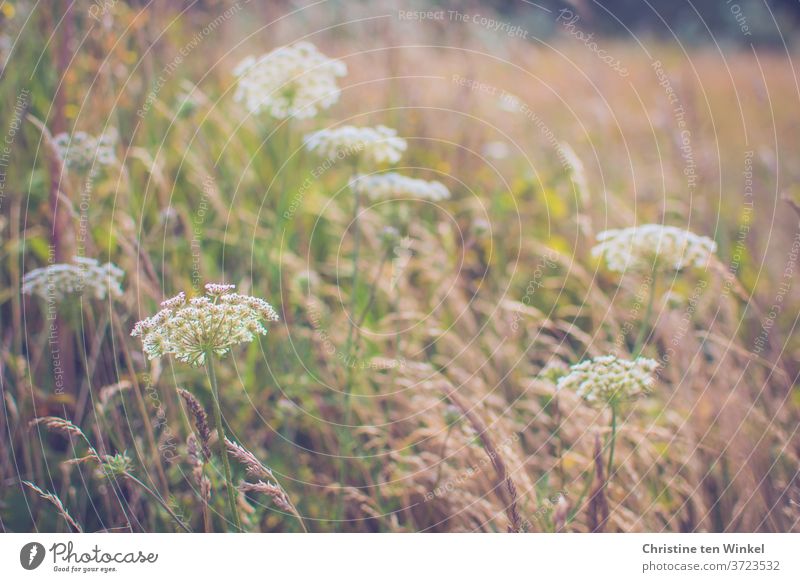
{"points": [[549, 122]]}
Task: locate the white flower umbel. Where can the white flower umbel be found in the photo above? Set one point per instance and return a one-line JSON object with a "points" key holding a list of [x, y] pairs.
{"points": [[653, 246], [554, 371], [394, 185], [209, 324], [81, 150], [378, 144], [291, 81], [84, 276], [609, 379]]}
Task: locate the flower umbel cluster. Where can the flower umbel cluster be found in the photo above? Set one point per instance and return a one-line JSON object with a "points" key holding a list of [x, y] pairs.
{"points": [[291, 81], [212, 323], [641, 248], [378, 144], [609, 379], [117, 465], [83, 275], [394, 185], [80, 150], [554, 371]]}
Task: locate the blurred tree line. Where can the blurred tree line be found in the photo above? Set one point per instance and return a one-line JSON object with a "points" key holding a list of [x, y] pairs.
{"points": [[693, 21]]}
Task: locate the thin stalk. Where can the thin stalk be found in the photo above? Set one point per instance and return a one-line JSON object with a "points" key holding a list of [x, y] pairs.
{"points": [[346, 445], [89, 362], [159, 500], [288, 171], [223, 452], [645, 323], [582, 496], [282, 195], [356, 251], [613, 440], [372, 293], [559, 442], [293, 509], [441, 456], [137, 391]]}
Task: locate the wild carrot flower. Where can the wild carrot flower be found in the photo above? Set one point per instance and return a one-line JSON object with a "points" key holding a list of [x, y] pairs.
{"points": [[497, 150], [83, 276], [378, 144], [80, 150], [609, 379], [394, 185], [213, 323], [554, 371], [641, 248], [290, 81]]}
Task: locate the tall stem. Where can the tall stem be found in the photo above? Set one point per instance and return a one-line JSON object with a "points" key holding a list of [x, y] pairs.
{"points": [[223, 452], [356, 250], [645, 323], [160, 501], [346, 447], [137, 391], [613, 440]]}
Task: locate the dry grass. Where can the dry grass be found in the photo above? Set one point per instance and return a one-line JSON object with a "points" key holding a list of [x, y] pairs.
{"points": [[464, 314]]}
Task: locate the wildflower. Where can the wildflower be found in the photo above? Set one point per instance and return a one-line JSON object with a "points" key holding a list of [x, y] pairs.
{"points": [[609, 379], [481, 227], [117, 465], [451, 414], [81, 150], [83, 275], [498, 150], [187, 100], [372, 144], [394, 185], [290, 81], [389, 237], [554, 371], [641, 248], [212, 323]]}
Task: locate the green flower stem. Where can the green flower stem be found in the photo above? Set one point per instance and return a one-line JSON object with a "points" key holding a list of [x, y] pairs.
{"points": [[346, 441], [356, 251], [644, 326], [613, 441], [223, 453], [372, 292], [288, 171]]}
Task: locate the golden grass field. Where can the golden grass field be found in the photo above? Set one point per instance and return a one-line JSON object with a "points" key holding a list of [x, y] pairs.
{"points": [[411, 401]]}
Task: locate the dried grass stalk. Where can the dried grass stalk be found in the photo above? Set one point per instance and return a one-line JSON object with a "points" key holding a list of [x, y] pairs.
{"points": [[255, 468], [505, 484], [57, 503], [251, 464], [276, 493], [598, 504], [200, 420], [66, 428]]}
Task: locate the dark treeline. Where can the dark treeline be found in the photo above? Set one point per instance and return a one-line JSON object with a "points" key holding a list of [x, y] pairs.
{"points": [[694, 21]]}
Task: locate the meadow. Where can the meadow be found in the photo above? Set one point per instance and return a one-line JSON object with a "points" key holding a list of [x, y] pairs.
{"points": [[421, 369]]}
